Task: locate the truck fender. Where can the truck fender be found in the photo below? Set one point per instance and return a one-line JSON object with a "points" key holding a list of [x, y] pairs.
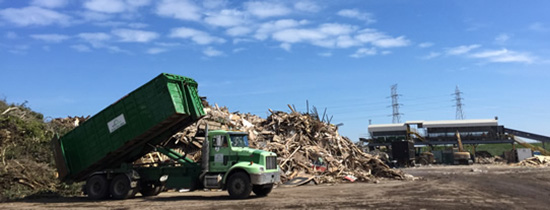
{"points": [[241, 166]]}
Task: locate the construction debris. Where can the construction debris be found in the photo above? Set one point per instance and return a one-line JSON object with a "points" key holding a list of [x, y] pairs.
{"points": [[537, 161], [484, 157], [305, 146]]}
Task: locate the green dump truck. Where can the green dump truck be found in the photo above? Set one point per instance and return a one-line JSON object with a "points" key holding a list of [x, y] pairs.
{"points": [[103, 149]]}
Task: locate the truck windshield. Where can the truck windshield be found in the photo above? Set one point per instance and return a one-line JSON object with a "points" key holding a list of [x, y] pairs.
{"points": [[239, 140]]}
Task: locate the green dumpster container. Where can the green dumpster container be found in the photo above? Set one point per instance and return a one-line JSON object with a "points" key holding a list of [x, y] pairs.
{"points": [[124, 131]]}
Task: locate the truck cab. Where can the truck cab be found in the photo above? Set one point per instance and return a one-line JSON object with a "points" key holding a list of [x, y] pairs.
{"points": [[232, 165]]}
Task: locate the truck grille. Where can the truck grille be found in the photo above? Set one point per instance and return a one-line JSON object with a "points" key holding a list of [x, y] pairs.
{"points": [[271, 162]]}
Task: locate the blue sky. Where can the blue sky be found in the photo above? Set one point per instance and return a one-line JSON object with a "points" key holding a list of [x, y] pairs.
{"points": [[71, 58]]}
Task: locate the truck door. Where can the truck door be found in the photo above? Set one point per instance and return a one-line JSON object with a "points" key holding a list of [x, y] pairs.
{"points": [[220, 153]]}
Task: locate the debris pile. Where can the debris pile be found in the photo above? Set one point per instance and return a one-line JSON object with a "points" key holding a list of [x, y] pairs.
{"points": [[484, 157], [305, 146], [537, 161], [25, 150]]}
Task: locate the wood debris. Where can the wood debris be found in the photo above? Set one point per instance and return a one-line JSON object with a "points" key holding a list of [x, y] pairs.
{"points": [[537, 161], [304, 145]]}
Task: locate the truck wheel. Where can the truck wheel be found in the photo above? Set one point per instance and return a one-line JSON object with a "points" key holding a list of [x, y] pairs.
{"points": [[97, 187], [120, 187], [239, 186], [150, 189], [262, 190]]}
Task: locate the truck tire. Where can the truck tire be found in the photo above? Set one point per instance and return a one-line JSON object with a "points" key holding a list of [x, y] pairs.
{"points": [[150, 189], [239, 186], [262, 190], [120, 187], [97, 187]]}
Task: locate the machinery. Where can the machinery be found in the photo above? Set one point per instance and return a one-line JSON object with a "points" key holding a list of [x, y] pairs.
{"points": [[424, 158], [530, 146], [460, 156], [403, 153], [101, 151]]}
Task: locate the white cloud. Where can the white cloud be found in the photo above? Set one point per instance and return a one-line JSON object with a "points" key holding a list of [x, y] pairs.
{"points": [[94, 16], [137, 3], [307, 6], [386, 52], [266, 29], [431, 55], [325, 54], [502, 38], [286, 46], [106, 6], [336, 29], [81, 48], [538, 26], [131, 35], [156, 50], [167, 44], [182, 9], [95, 39], [462, 49], [391, 42], [238, 31], [238, 50], [298, 35], [94, 36], [11, 35], [266, 9], [53, 38], [242, 40], [226, 18], [354, 13], [199, 37], [138, 25], [346, 41], [380, 39], [34, 16], [19, 49], [331, 35], [211, 52], [213, 4], [114, 6], [362, 52], [425, 44], [504, 56], [115, 24], [50, 3]]}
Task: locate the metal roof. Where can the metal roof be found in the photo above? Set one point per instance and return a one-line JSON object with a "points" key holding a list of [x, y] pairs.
{"points": [[387, 127], [433, 124], [460, 123]]}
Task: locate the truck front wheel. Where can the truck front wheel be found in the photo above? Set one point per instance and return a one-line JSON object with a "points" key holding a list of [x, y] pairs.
{"points": [[239, 186], [262, 190], [121, 187], [97, 187]]}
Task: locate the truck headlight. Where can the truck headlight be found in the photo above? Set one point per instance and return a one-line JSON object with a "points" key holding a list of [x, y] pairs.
{"points": [[163, 178]]}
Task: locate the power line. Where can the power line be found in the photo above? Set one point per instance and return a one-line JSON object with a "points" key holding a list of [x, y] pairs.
{"points": [[458, 99]]}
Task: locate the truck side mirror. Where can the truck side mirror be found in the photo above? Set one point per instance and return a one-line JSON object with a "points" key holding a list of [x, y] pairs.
{"points": [[218, 141]]}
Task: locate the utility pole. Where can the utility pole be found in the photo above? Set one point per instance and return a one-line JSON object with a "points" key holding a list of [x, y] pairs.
{"points": [[458, 99], [395, 104]]}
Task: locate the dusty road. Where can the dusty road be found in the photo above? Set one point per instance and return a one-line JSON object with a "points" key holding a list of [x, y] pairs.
{"points": [[442, 187]]}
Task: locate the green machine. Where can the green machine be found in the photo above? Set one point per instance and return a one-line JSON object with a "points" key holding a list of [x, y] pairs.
{"points": [[102, 150]]}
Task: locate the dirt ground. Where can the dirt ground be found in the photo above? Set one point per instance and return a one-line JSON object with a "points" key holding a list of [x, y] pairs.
{"points": [[440, 187]]}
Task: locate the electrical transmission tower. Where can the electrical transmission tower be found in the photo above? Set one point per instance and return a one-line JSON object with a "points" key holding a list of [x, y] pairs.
{"points": [[395, 105], [458, 99]]}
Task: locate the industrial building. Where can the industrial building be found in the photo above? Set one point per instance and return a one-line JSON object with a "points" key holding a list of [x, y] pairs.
{"points": [[482, 131]]}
